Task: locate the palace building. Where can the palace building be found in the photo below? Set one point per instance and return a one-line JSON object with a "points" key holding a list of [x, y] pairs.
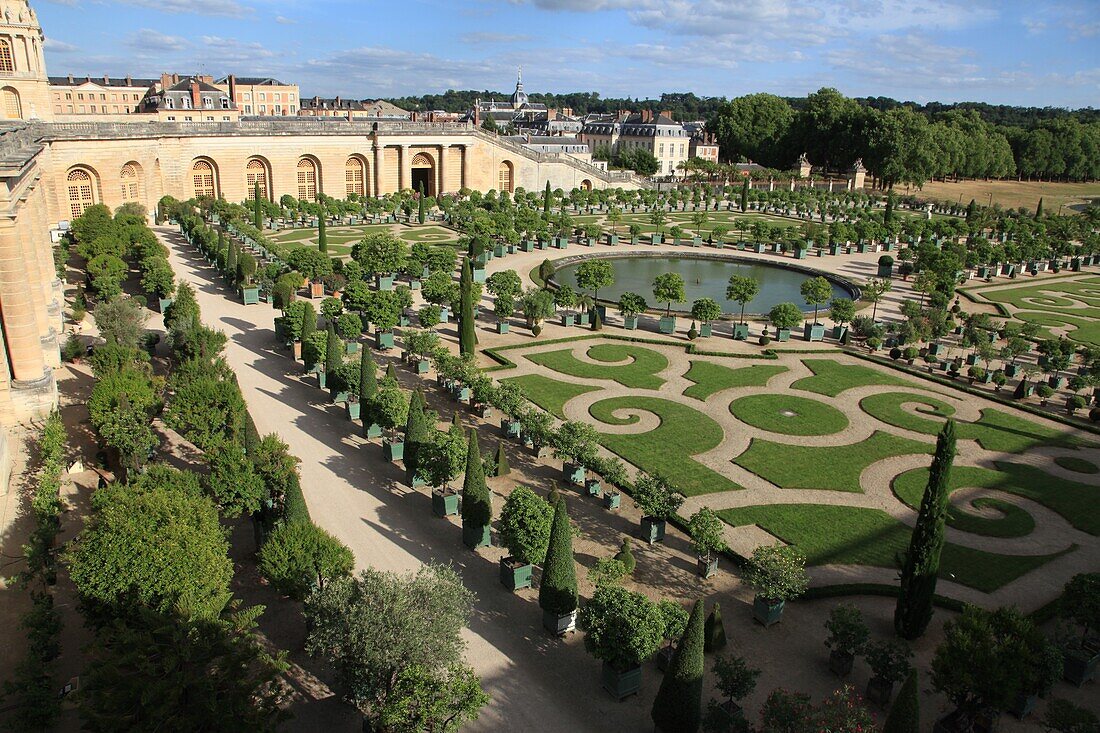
{"points": [[53, 167]]}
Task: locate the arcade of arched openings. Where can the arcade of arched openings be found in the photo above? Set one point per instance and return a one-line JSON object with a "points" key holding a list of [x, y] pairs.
{"points": [[255, 175], [355, 177], [307, 180], [81, 187], [506, 177], [130, 177], [204, 179]]}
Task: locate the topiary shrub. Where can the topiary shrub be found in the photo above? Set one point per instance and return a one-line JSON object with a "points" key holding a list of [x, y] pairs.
{"points": [[626, 557], [300, 556], [714, 633]]}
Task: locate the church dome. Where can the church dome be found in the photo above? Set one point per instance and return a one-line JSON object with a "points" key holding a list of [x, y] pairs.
{"points": [[519, 97]]}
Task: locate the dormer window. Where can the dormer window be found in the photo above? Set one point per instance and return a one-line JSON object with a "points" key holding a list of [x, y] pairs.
{"points": [[207, 103], [225, 102], [185, 102], [168, 103]]}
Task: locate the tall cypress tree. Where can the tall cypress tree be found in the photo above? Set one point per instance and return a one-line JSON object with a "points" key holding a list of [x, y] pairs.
{"points": [[309, 321], [715, 631], [257, 210], [477, 503], [368, 377], [922, 562], [558, 589], [420, 206], [971, 211], [231, 261], [678, 707], [466, 336], [888, 213], [322, 234], [546, 199], [417, 431], [745, 195], [904, 715], [333, 352], [1039, 209]]}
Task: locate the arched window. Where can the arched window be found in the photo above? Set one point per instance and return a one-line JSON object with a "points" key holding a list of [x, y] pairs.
{"points": [[7, 63], [355, 177], [504, 177], [202, 174], [130, 182], [255, 172], [81, 189], [307, 180], [13, 110]]}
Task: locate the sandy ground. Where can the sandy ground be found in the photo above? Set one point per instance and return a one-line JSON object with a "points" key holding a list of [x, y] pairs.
{"points": [[1011, 194]]}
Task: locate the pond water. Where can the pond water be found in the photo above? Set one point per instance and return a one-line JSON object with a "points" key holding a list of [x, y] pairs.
{"points": [[704, 278]]}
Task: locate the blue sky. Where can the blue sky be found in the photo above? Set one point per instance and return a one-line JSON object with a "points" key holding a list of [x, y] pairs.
{"points": [[1027, 53]]}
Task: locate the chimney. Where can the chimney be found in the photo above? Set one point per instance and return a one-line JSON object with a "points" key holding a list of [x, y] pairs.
{"points": [[233, 87], [106, 80], [71, 79], [165, 81], [129, 80], [337, 100], [206, 79], [667, 113], [196, 96]]}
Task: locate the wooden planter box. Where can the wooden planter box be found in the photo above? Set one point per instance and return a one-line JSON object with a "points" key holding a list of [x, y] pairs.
{"points": [[514, 574], [510, 428], [351, 409], [393, 450], [559, 625], [653, 530], [621, 684], [630, 323], [740, 331], [612, 500], [767, 612], [383, 340], [708, 566], [444, 503], [573, 474], [593, 487], [811, 332], [667, 324]]}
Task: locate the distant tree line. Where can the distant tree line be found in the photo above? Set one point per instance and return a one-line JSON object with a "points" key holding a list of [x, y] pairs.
{"points": [[899, 142]]}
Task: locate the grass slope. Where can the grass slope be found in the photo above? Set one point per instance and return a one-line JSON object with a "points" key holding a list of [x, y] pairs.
{"points": [[640, 373], [830, 468], [860, 536], [669, 448], [710, 378], [831, 377], [549, 394], [771, 412]]}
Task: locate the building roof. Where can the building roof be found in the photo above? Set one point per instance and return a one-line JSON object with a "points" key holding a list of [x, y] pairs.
{"points": [[103, 81], [331, 103], [382, 108], [254, 81], [184, 85]]}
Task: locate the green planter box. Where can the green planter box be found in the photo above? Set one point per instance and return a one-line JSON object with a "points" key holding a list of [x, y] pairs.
{"points": [[708, 567], [567, 319], [423, 366], [740, 331], [250, 295], [839, 331], [499, 250], [393, 450], [612, 500], [935, 349], [621, 684], [527, 246], [834, 249], [667, 324], [584, 319], [351, 347], [163, 303], [800, 254], [322, 379], [811, 332], [705, 330], [351, 409], [885, 270], [510, 428], [383, 340], [1080, 665], [514, 574], [783, 334], [656, 239], [759, 248], [479, 274], [630, 323], [767, 612], [374, 430], [653, 530], [444, 314], [461, 393], [572, 474], [592, 487], [338, 397], [384, 282], [559, 625], [1011, 370], [444, 504], [502, 327]]}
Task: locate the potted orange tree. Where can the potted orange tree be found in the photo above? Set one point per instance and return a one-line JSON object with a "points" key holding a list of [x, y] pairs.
{"points": [[778, 574], [658, 501], [525, 521]]}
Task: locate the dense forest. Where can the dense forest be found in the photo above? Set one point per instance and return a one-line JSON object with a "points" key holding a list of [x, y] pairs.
{"points": [[899, 142]]}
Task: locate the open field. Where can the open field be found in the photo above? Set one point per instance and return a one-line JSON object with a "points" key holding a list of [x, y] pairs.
{"points": [[1012, 194]]}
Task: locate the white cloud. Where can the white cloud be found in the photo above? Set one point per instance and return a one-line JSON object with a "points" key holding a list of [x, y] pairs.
{"points": [[56, 46], [283, 20], [488, 37], [151, 41]]}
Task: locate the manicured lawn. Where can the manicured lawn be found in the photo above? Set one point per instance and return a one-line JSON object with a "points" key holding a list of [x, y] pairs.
{"points": [[860, 536], [1078, 465], [831, 377], [1013, 522], [710, 377], [1082, 330], [832, 468], [669, 448], [640, 373], [1073, 305], [995, 430], [788, 415], [1074, 501], [430, 234], [549, 394]]}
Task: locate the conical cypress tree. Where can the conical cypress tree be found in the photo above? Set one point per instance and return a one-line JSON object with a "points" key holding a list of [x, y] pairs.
{"points": [[231, 261], [219, 255], [322, 234], [309, 322], [971, 210], [420, 205], [477, 503], [257, 210], [546, 199], [1021, 389], [715, 632], [888, 213], [678, 707], [368, 376], [922, 562], [554, 495], [597, 322], [391, 372], [904, 716], [466, 335], [558, 589], [417, 432], [456, 420], [745, 195], [503, 469], [333, 351], [1039, 209]]}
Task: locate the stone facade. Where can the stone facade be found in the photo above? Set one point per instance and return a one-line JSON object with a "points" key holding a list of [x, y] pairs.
{"points": [[24, 88]]}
